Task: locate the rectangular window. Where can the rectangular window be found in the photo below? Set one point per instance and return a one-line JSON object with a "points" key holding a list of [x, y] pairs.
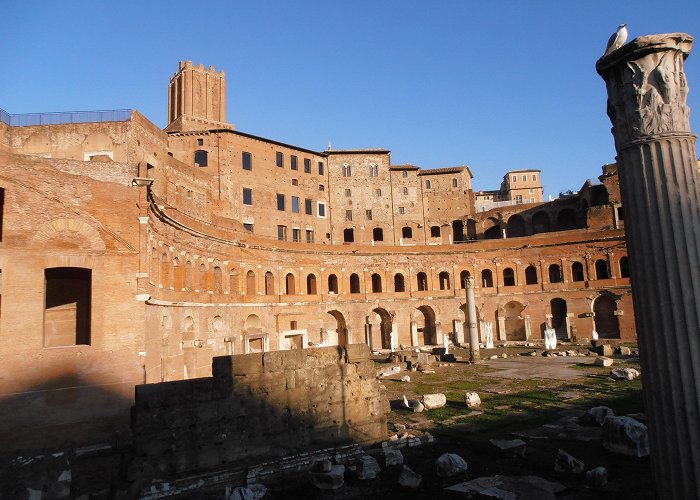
{"points": [[518, 198], [67, 305], [296, 234], [321, 168], [248, 227], [404, 173], [247, 161], [348, 215], [321, 209], [532, 191], [534, 177], [200, 142], [348, 193], [308, 206], [280, 159], [524, 178], [515, 178], [295, 182], [307, 165], [293, 162], [247, 196], [402, 210], [368, 214], [321, 187], [280, 202], [282, 233], [405, 190], [309, 235], [378, 192], [347, 172], [295, 204]]}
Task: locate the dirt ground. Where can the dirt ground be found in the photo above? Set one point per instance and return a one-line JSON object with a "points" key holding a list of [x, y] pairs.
{"points": [[527, 397]]}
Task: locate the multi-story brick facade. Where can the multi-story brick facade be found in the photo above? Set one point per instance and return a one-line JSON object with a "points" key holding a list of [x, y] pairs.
{"points": [[132, 254]]}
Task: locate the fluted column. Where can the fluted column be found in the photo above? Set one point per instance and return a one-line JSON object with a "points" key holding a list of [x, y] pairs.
{"points": [[660, 191], [474, 353]]}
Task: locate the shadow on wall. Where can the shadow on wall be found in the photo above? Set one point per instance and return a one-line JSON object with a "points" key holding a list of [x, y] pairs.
{"points": [[258, 407], [66, 408]]}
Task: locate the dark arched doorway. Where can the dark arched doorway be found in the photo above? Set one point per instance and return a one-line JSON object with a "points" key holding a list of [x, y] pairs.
{"points": [[384, 327], [457, 231], [426, 332], [606, 322], [514, 321], [558, 309], [341, 327]]}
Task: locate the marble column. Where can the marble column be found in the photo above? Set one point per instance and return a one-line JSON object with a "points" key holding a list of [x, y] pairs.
{"points": [[660, 189], [474, 354]]}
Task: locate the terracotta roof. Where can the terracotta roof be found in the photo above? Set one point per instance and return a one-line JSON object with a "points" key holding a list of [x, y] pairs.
{"points": [[355, 151], [446, 170], [407, 166]]}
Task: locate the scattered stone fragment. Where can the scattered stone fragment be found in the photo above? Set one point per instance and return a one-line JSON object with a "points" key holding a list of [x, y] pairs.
{"points": [[416, 405], [596, 415], [547, 354], [504, 355], [431, 401], [584, 352], [604, 350], [409, 479], [597, 476], [472, 399], [399, 427], [326, 476], [566, 464], [449, 464], [388, 372], [510, 447], [603, 361], [531, 353], [495, 356], [572, 353], [405, 378], [240, 493], [414, 441], [392, 457], [626, 436], [624, 373], [511, 487], [623, 351], [259, 490], [366, 467]]}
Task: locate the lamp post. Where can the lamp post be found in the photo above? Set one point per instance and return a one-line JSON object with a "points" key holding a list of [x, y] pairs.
{"points": [[474, 355]]}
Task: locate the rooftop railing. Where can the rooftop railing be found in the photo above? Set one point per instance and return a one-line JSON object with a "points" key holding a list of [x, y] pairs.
{"points": [[30, 119]]}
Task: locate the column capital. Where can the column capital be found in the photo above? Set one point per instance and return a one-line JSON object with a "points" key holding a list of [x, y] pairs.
{"points": [[647, 88]]}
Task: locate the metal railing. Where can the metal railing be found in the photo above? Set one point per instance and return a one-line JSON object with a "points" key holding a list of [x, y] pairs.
{"points": [[30, 119]]}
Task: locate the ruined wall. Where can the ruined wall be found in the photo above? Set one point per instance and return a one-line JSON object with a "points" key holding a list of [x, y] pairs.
{"points": [[258, 407]]}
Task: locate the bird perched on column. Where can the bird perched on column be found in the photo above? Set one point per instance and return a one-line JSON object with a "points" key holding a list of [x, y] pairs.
{"points": [[617, 39]]}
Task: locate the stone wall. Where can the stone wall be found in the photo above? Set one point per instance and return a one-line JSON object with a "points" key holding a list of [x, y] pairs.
{"points": [[258, 407]]}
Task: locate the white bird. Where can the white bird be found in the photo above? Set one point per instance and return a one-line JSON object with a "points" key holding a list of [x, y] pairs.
{"points": [[617, 39]]}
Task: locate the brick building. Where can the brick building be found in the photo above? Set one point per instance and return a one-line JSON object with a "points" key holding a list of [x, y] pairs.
{"points": [[131, 254]]}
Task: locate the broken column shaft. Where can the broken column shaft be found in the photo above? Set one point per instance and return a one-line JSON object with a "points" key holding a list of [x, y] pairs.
{"points": [[660, 191]]}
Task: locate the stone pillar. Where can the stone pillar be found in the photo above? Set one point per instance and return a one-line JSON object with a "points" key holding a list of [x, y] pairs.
{"points": [[459, 332], [414, 333], [528, 328], [660, 190], [474, 355], [438, 333], [501, 326], [394, 336]]}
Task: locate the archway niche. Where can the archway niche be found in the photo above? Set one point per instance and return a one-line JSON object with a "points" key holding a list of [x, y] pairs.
{"points": [[514, 321], [341, 327], [606, 321], [426, 328], [558, 310], [384, 327]]}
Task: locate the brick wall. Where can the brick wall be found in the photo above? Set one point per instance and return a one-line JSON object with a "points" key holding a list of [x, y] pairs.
{"points": [[258, 407]]}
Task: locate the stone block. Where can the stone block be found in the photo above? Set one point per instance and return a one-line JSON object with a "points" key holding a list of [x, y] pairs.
{"points": [[449, 464], [510, 447], [221, 367], [624, 373], [472, 399], [603, 361], [355, 353], [367, 467], [596, 415], [597, 477], [247, 364], [567, 464], [431, 401], [409, 479], [626, 436], [323, 356]]}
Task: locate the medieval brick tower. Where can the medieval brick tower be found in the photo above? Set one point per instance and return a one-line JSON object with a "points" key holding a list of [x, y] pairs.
{"points": [[197, 99]]}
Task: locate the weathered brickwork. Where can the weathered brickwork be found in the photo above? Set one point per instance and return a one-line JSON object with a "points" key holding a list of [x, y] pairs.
{"points": [[130, 254], [259, 407]]}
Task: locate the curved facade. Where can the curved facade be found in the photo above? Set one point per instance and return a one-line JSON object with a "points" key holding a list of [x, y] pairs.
{"points": [[132, 254]]}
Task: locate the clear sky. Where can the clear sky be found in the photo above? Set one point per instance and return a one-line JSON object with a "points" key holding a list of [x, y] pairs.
{"points": [[495, 85]]}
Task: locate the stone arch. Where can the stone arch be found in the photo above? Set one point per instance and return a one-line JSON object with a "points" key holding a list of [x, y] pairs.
{"points": [[290, 284], [624, 266], [516, 226], [541, 222], [341, 327], [606, 321], [333, 283], [577, 272], [218, 280], [399, 283], [422, 281], [73, 234], [269, 283], [601, 269], [233, 281], [555, 274], [253, 323], [531, 275], [486, 278], [514, 321], [492, 229], [427, 333], [385, 327], [558, 308], [311, 288], [444, 280], [508, 276], [188, 324], [463, 278], [250, 288], [376, 283], [354, 283], [566, 219], [471, 229]]}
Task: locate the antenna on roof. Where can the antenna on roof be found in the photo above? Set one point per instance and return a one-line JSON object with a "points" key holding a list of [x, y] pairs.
{"points": [[329, 146]]}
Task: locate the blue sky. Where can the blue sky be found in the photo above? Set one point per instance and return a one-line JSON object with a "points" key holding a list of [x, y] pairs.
{"points": [[494, 85]]}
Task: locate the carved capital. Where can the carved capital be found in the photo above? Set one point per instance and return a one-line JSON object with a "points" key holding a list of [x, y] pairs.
{"points": [[647, 88]]}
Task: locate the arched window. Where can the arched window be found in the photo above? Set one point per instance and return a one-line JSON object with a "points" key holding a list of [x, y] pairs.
{"points": [[406, 232], [508, 277], [354, 283], [373, 170], [624, 267], [540, 223], [200, 158], [346, 170], [444, 279], [202, 277], [233, 282], [601, 269], [250, 283], [311, 284], [376, 283], [378, 234], [290, 284], [269, 283], [349, 235], [399, 283], [577, 271], [555, 274], [218, 281], [530, 275], [454, 183], [486, 278], [434, 231], [422, 281], [332, 284], [463, 278], [428, 184]]}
